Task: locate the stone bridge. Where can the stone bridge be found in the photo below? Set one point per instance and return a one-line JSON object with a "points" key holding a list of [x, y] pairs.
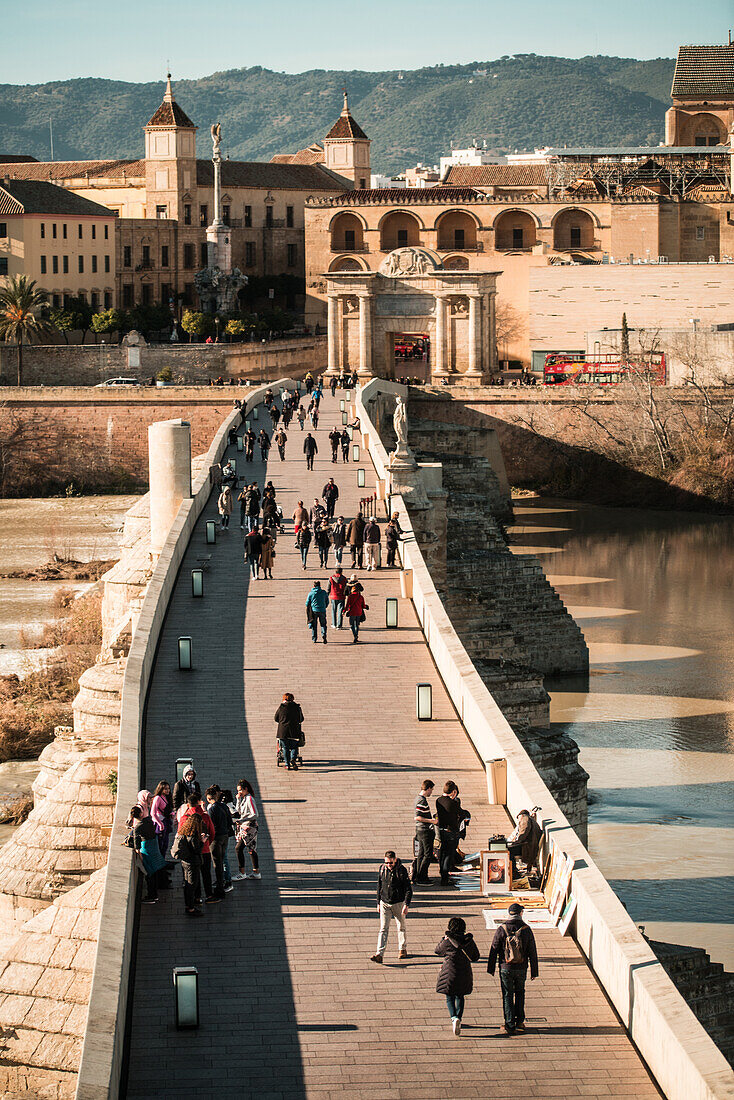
{"points": [[290, 1004]]}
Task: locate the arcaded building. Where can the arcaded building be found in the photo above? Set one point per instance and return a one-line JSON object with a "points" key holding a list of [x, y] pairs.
{"points": [[657, 205]]}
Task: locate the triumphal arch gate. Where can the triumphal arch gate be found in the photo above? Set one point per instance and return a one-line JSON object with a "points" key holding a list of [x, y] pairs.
{"points": [[413, 317]]}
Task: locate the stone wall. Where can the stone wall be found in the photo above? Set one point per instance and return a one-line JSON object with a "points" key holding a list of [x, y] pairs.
{"points": [[195, 364]]}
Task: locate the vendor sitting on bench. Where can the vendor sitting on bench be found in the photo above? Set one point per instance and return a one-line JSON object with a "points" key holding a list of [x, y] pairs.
{"points": [[524, 841]]}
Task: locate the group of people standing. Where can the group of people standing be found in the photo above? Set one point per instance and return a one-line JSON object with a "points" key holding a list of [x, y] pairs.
{"points": [[202, 827]]}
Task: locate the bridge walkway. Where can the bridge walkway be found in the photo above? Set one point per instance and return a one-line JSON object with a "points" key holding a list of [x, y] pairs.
{"points": [[291, 1006]]}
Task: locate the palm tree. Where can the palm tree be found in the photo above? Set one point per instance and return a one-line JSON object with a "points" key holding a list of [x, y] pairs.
{"points": [[20, 306]]}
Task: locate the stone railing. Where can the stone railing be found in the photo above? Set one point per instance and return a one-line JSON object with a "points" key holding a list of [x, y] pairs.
{"points": [[104, 1040], [682, 1057]]}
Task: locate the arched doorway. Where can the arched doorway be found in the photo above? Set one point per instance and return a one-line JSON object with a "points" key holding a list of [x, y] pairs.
{"points": [[514, 230], [399, 230], [457, 230], [704, 129], [347, 233], [573, 229]]}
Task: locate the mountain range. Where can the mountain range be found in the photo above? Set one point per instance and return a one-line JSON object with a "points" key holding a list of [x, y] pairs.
{"points": [[518, 102]]}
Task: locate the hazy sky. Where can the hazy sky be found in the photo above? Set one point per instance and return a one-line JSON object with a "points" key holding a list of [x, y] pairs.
{"points": [[46, 40]]}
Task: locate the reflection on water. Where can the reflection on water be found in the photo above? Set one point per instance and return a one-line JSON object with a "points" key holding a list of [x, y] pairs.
{"points": [[16, 777], [656, 722]]}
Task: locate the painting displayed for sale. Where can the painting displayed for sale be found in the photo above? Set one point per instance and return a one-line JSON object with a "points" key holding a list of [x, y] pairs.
{"points": [[496, 872]]}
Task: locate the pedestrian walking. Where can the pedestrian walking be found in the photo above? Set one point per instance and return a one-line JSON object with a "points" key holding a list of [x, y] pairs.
{"points": [[394, 894], [289, 717], [372, 538], [330, 495], [310, 450], [355, 608], [301, 416], [332, 385], [425, 834], [253, 549], [322, 538], [187, 849], [318, 512], [252, 506], [455, 979], [392, 538], [355, 538], [220, 819], [303, 541], [315, 417], [299, 517], [339, 538], [161, 810], [267, 553], [316, 603], [189, 784], [514, 946], [337, 595], [225, 504], [268, 398], [264, 441], [280, 438], [246, 826], [309, 382], [449, 816], [334, 440], [346, 444], [274, 415], [249, 444]]}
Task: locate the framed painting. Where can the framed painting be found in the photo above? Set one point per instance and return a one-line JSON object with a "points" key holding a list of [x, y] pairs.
{"points": [[566, 916], [496, 872]]}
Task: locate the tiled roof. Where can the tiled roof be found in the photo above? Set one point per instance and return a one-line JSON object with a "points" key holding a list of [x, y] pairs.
{"points": [[73, 169], [170, 114], [37, 197], [704, 70], [496, 175], [264, 174], [345, 128], [407, 195], [314, 154], [15, 158]]}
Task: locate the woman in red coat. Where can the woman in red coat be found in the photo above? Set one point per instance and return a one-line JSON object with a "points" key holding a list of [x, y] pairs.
{"points": [[355, 608]]}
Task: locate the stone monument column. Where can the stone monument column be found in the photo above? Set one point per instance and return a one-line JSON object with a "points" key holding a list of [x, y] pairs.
{"points": [[332, 334], [169, 462], [439, 351], [365, 334], [475, 334], [490, 362]]}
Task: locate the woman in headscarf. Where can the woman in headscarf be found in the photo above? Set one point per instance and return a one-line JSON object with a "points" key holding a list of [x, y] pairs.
{"points": [[161, 810], [145, 799]]}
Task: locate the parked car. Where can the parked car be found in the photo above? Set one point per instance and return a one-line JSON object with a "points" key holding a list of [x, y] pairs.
{"points": [[118, 382]]}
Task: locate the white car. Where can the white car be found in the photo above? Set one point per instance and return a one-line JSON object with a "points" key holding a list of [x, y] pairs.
{"points": [[118, 382]]}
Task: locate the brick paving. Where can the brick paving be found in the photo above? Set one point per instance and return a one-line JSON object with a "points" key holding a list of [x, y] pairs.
{"points": [[290, 1004]]}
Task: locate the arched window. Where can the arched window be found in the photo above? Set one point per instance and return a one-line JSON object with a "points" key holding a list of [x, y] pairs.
{"points": [[347, 234], [573, 229], [399, 230], [457, 230], [514, 230], [346, 263]]}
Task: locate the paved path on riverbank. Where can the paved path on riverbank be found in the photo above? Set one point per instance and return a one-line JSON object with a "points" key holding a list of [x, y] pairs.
{"points": [[290, 1005]]}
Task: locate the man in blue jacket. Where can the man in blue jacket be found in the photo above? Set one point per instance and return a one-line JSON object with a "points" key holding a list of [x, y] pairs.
{"points": [[316, 604]]}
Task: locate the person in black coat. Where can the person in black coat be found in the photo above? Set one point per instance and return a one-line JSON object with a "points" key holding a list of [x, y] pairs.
{"points": [[310, 449], [184, 787], [514, 946], [455, 979], [289, 717]]}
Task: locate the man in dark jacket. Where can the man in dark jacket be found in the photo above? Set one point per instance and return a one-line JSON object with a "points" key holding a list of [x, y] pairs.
{"points": [[221, 820], [394, 894], [310, 449], [339, 538], [449, 816], [184, 787], [346, 444], [330, 495], [334, 439], [355, 538], [514, 946]]}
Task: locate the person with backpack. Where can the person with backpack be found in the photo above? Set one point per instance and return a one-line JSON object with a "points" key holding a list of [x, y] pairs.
{"points": [[280, 438], [339, 538], [337, 595], [355, 607], [187, 849], [455, 979], [394, 895], [514, 946]]}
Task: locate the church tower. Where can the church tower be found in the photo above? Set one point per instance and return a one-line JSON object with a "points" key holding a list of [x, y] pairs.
{"points": [[170, 159], [347, 149]]}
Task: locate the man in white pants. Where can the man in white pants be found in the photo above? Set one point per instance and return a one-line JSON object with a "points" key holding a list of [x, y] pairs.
{"points": [[394, 894]]}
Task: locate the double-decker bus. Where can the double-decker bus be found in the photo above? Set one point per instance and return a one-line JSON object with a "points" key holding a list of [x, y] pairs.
{"points": [[576, 368]]}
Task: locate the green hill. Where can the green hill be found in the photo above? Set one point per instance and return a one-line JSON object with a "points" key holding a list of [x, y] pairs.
{"points": [[513, 103]]}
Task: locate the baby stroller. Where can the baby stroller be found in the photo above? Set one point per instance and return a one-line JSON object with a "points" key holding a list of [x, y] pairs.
{"points": [[280, 759]]}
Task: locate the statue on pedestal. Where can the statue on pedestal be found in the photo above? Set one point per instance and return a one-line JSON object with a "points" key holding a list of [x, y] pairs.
{"points": [[218, 284]]}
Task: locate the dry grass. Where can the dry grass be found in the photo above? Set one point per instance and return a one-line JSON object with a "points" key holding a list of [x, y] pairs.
{"points": [[31, 707], [14, 811]]}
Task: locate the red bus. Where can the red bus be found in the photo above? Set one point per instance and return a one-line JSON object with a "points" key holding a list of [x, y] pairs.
{"points": [[575, 368]]}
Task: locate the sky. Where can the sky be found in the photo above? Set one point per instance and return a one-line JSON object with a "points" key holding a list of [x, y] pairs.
{"points": [[45, 40]]}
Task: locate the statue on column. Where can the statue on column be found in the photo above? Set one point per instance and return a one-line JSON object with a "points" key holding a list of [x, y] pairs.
{"points": [[400, 424], [216, 141], [219, 283]]}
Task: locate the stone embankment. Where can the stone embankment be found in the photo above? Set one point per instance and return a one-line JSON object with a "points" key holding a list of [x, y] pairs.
{"points": [[52, 870], [511, 621]]}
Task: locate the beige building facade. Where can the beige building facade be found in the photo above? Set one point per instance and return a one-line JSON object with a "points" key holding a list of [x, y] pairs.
{"points": [[63, 242]]}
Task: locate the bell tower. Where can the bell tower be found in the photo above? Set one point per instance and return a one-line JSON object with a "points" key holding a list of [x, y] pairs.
{"points": [[170, 159], [347, 149]]}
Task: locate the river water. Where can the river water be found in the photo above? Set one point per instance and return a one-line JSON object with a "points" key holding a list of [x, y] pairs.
{"points": [[653, 593], [31, 531]]}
